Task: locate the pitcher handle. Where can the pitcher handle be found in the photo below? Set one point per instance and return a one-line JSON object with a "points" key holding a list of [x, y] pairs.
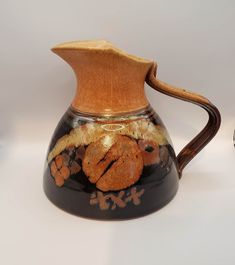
{"points": [[209, 131]]}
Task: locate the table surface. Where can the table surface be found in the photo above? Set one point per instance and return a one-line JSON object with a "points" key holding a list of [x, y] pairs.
{"points": [[197, 227]]}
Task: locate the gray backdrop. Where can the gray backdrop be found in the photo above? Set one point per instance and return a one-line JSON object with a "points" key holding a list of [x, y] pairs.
{"points": [[193, 43]]}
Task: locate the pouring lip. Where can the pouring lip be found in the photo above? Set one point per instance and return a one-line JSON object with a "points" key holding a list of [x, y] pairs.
{"points": [[97, 46]]}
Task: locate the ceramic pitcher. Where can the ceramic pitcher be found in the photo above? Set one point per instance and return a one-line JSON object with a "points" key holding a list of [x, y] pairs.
{"points": [[111, 157]]}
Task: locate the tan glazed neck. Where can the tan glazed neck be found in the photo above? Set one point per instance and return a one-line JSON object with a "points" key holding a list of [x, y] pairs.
{"points": [[109, 81]]}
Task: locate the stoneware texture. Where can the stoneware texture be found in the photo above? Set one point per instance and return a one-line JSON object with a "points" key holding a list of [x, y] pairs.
{"points": [[111, 157]]}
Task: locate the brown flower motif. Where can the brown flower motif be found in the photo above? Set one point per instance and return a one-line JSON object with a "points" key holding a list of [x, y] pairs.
{"points": [[149, 151], [62, 167], [60, 170]]}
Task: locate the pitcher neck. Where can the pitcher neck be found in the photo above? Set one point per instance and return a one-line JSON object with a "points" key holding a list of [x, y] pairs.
{"points": [[108, 82]]}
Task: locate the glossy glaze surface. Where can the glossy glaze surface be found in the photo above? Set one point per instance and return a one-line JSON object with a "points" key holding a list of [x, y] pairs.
{"points": [[116, 167], [110, 156]]}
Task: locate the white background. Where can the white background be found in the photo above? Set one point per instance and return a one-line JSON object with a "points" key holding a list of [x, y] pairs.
{"points": [[193, 43]]}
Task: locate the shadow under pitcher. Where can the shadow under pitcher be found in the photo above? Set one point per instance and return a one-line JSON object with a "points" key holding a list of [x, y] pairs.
{"points": [[111, 157]]}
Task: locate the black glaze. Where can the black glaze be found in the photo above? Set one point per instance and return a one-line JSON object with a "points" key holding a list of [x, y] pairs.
{"points": [[160, 182]]}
